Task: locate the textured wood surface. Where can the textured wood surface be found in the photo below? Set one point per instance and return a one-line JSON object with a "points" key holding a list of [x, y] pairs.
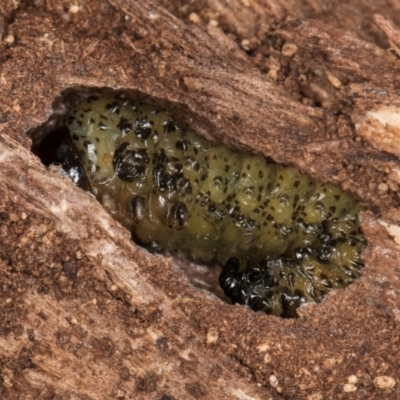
{"points": [[86, 314]]}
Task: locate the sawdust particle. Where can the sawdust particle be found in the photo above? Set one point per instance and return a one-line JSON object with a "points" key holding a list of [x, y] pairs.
{"points": [[349, 387], [384, 382]]}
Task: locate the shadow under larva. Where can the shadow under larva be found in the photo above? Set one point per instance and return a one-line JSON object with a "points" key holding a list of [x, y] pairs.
{"points": [[283, 239]]}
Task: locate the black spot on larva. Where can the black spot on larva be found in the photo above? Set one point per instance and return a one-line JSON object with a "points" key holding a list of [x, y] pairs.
{"points": [[143, 130], [170, 126], [178, 216], [164, 182], [124, 125], [138, 208], [283, 239], [182, 144], [129, 163], [113, 107]]}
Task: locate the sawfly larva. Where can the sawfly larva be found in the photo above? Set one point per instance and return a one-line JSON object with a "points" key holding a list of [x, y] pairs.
{"points": [[282, 238]]}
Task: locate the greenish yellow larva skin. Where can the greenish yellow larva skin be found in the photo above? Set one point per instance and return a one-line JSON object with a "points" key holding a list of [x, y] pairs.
{"points": [[176, 191]]}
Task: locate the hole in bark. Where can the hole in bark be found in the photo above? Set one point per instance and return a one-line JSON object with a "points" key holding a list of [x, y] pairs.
{"points": [[284, 239]]}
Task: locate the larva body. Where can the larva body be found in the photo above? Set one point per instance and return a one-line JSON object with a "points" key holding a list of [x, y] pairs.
{"points": [[284, 240]]}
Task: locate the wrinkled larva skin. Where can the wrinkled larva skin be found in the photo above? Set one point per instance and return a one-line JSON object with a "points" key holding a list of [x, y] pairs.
{"points": [[284, 239]]}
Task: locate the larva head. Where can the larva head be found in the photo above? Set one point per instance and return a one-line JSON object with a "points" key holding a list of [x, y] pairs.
{"points": [[277, 286]]}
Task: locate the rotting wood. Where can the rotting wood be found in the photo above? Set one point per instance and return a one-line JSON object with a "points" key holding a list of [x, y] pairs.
{"points": [[88, 337], [87, 314]]}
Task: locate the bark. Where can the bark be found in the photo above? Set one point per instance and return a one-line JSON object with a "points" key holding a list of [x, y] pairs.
{"points": [[85, 313]]}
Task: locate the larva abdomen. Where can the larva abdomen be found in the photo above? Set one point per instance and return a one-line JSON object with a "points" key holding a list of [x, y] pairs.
{"points": [[284, 240]]}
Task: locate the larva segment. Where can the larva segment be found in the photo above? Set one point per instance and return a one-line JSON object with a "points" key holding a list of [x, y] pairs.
{"points": [[284, 239]]}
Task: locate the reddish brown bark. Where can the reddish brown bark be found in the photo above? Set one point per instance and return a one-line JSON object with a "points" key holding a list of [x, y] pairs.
{"points": [[87, 314]]}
